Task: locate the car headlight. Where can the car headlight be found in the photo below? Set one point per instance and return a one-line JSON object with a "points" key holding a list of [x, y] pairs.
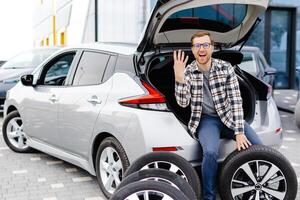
{"points": [[10, 81]]}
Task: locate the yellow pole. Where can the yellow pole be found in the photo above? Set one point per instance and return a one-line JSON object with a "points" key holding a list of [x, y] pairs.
{"points": [[54, 22]]}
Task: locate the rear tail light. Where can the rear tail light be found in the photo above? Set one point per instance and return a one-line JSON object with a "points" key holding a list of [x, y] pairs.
{"points": [[151, 101], [278, 131]]}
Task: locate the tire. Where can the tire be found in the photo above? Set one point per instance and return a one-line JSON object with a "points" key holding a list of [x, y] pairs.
{"points": [[13, 133], [156, 190], [272, 176], [114, 163], [171, 162], [163, 176], [297, 114]]}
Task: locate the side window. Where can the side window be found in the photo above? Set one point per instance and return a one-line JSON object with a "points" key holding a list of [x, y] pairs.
{"points": [[261, 65], [91, 68], [248, 63], [57, 72], [110, 68]]}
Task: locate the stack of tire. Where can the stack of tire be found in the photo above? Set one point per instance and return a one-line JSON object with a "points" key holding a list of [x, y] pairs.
{"points": [[258, 172], [159, 175]]}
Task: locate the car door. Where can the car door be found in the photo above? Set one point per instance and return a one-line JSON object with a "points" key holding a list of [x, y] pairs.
{"points": [[80, 105], [42, 106]]}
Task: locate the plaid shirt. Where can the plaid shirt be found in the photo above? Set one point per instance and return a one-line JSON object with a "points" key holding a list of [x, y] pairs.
{"points": [[225, 92]]}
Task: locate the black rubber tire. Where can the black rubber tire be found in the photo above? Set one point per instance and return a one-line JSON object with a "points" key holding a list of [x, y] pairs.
{"points": [[191, 175], [256, 152], [138, 187], [115, 144], [297, 114], [164, 175], [9, 117]]}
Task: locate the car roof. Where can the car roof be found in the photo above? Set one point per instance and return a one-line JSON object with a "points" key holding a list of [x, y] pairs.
{"points": [[118, 48]]}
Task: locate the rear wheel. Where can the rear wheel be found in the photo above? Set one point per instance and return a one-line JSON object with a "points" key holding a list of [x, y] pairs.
{"points": [[258, 172], [150, 190], [13, 133], [111, 162]]}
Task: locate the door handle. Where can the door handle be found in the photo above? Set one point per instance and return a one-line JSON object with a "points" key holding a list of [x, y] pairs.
{"points": [[53, 98], [94, 100]]}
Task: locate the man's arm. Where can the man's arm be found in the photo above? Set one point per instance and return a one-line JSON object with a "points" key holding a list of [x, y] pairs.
{"points": [[235, 100], [182, 80]]}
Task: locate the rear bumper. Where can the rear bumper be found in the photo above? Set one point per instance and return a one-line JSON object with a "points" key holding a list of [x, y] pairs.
{"points": [[149, 129]]}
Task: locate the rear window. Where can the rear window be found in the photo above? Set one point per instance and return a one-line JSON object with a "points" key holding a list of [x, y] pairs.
{"points": [[221, 18]]}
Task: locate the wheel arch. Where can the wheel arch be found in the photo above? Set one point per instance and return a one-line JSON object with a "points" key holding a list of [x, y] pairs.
{"points": [[10, 109], [97, 141]]}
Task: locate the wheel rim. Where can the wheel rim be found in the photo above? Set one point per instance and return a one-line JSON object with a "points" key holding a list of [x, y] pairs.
{"points": [[258, 179], [149, 195], [15, 133], [166, 165], [111, 169]]}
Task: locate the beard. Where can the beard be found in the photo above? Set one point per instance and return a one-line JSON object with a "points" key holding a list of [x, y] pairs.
{"points": [[203, 60]]}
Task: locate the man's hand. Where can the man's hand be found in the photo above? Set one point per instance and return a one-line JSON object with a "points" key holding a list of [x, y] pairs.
{"points": [[179, 65], [241, 141]]}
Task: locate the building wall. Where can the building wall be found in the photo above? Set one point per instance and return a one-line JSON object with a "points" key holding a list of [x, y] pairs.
{"points": [[74, 21]]}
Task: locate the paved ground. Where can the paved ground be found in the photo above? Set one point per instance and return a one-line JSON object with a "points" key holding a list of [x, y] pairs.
{"points": [[286, 99], [43, 177]]}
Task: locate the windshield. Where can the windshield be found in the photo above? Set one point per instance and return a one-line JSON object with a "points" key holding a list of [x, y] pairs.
{"points": [[28, 59]]}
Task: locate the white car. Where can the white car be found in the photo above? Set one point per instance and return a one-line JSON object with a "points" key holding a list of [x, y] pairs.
{"points": [[101, 106]]}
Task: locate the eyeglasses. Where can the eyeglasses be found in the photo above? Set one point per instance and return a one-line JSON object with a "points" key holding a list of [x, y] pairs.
{"points": [[205, 45]]}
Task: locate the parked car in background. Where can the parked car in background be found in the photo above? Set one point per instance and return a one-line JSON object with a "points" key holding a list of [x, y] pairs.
{"points": [[22, 63], [254, 62]]}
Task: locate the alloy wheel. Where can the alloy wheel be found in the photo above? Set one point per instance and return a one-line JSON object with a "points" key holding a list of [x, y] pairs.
{"points": [[258, 179], [111, 169], [149, 194], [166, 165], [15, 133]]}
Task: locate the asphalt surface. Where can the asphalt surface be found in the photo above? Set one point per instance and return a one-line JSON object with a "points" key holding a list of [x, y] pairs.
{"points": [[43, 177]]}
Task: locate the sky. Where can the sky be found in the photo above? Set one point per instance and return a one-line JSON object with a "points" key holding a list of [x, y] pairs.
{"points": [[15, 26]]}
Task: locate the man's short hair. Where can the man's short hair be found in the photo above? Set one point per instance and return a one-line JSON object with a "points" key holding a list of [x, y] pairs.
{"points": [[201, 34]]}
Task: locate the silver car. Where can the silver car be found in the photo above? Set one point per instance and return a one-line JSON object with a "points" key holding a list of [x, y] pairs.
{"points": [[101, 106]]}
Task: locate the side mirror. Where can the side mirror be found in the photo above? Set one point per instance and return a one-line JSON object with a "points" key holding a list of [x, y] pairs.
{"points": [[27, 80]]}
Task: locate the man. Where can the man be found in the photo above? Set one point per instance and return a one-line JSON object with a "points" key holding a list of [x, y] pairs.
{"points": [[211, 86]]}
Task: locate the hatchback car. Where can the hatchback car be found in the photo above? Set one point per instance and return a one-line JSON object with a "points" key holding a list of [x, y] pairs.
{"points": [[101, 106], [22, 63]]}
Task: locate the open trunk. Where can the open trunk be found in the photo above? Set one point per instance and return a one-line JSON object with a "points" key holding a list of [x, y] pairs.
{"points": [[161, 75]]}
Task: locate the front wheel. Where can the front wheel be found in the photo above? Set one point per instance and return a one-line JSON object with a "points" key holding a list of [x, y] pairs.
{"points": [[13, 133], [111, 163]]}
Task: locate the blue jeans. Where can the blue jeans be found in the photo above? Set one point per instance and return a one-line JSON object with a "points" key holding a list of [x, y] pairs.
{"points": [[209, 131]]}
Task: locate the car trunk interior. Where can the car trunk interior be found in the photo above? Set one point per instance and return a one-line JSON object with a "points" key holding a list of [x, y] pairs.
{"points": [[160, 73]]}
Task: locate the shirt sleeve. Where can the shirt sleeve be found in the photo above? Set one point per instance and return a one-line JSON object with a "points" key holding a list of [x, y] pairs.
{"points": [[235, 99], [183, 90]]}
